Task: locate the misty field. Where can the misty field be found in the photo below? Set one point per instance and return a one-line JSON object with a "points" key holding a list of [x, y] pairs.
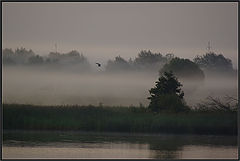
{"points": [[41, 99], [116, 119], [43, 87]]}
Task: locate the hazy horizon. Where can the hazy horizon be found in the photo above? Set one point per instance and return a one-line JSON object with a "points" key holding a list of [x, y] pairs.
{"points": [[102, 31], [77, 94]]}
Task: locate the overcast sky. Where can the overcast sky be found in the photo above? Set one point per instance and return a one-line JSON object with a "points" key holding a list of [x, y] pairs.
{"points": [[104, 30]]}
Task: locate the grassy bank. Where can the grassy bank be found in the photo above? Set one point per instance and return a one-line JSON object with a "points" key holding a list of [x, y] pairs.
{"points": [[116, 119]]}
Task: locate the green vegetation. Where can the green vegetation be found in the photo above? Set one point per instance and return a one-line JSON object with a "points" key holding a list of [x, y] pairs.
{"points": [[116, 119]]}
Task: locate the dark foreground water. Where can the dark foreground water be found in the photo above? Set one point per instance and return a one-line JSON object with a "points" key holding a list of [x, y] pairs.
{"points": [[76, 145]]}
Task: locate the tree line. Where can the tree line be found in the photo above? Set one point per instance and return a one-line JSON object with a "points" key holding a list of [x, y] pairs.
{"points": [[166, 95], [146, 60], [24, 56]]}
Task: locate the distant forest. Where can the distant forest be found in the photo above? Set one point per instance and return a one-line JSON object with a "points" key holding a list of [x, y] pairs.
{"points": [[145, 61]]}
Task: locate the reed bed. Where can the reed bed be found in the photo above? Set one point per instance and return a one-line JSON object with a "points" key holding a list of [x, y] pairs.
{"points": [[116, 119]]}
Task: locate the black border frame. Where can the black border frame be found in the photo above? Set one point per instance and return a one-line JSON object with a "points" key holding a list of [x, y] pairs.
{"points": [[142, 1]]}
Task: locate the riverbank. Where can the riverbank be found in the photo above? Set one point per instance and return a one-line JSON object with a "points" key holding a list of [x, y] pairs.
{"points": [[116, 119]]}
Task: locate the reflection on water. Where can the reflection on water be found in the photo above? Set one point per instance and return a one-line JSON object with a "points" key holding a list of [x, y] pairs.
{"points": [[205, 152], [36, 144]]}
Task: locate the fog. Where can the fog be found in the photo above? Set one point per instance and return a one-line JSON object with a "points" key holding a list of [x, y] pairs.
{"points": [[105, 30], [37, 86], [65, 38]]}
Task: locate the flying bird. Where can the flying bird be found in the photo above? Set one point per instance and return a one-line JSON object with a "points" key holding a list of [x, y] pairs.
{"points": [[99, 65]]}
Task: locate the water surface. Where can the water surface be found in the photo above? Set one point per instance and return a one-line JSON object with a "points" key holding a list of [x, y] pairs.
{"points": [[77, 145]]}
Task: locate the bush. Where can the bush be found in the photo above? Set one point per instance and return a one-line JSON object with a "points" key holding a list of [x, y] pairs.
{"points": [[169, 103], [230, 104]]}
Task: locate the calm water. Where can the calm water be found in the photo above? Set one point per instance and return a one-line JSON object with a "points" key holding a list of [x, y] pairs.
{"points": [[76, 145]]}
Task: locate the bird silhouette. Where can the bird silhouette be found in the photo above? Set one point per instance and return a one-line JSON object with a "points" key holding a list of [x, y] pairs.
{"points": [[99, 65]]}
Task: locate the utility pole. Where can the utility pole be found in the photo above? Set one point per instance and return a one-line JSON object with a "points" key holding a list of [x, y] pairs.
{"points": [[56, 47], [209, 47]]}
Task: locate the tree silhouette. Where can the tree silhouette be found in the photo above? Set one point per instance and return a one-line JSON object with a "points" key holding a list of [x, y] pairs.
{"points": [[148, 60], [167, 94], [118, 64], [213, 62], [183, 68], [19, 56], [8, 56], [35, 60]]}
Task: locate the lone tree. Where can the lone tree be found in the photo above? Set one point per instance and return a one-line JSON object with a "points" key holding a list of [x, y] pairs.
{"points": [[167, 95]]}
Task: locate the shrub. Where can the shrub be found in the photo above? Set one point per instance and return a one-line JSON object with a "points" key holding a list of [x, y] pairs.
{"points": [[216, 105]]}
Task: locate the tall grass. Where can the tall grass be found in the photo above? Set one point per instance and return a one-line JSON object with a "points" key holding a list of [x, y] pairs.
{"points": [[116, 119]]}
